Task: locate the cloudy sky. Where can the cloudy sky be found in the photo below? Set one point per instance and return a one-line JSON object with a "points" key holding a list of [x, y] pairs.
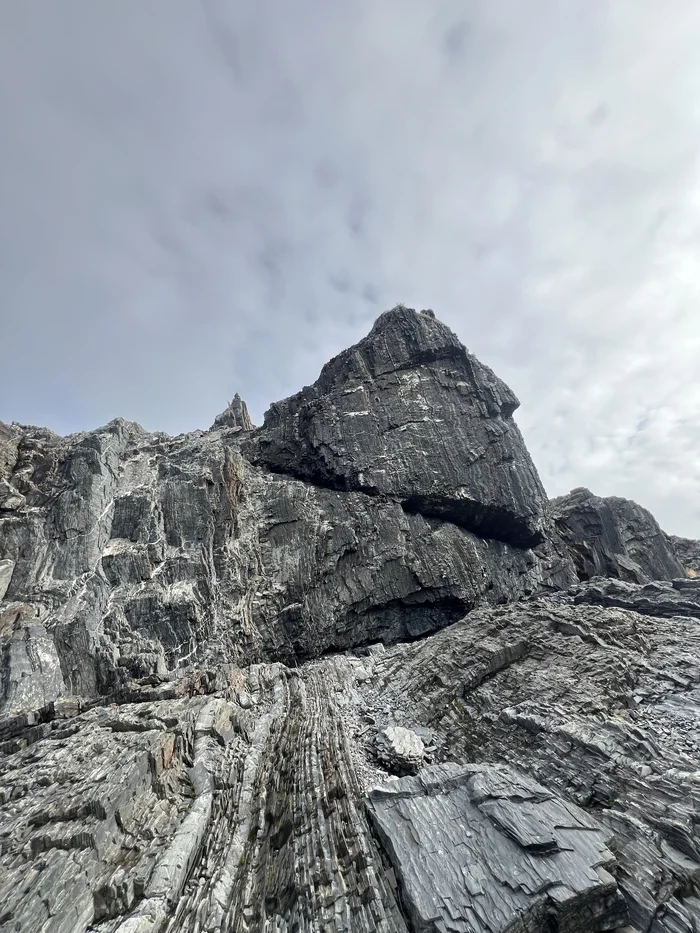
{"points": [[199, 197]]}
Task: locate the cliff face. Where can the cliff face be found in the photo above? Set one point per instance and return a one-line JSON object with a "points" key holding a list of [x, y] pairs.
{"points": [[381, 504], [409, 415], [214, 646]]}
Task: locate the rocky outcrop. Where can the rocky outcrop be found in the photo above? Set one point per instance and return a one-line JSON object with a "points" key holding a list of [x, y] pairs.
{"points": [[688, 553], [480, 847], [566, 739], [400, 751], [678, 598], [613, 537], [599, 704], [128, 555], [235, 415], [408, 414], [219, 650]]}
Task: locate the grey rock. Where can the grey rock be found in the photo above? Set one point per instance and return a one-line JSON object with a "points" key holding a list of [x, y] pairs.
{"points": [[409, 414], [613, 537], [201, 635], [481, 848], [8, 449], [31, 676], [678, 598], [596, 703], [234, 416], [10, 499], [400, 750], [144, 555], [6, 570], [688, 553]]}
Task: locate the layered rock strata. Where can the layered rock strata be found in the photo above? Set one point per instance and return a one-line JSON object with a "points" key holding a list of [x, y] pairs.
{"points": [[218, 650], [688, 553], [614, 537], [127, 555]]}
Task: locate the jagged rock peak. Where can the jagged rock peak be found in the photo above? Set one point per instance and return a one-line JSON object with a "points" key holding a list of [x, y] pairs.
{"points": [[614, 537], [403, 338], [235, 415], [408, 413]]}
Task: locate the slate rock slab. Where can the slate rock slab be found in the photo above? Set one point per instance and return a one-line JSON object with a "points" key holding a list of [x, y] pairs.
{"points": [[482, 848], [614, 537]]}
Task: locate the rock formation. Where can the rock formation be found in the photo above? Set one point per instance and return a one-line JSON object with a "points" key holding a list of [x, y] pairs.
{"points": [[688, 553], [219, 649], [614, 537], [410, 416], [504, 853]]}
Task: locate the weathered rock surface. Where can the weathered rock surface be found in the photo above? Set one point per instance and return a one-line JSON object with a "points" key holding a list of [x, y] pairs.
{"points": [[201, 813], [688, 553], [482, 848], [614, 537], [400, 750], [410, 415], [136, 555], [678, 598], [235, 416], [202, 637], [600, 705]]}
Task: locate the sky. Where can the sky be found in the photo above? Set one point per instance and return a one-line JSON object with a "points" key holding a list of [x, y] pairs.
{"points": [[202, 197]]}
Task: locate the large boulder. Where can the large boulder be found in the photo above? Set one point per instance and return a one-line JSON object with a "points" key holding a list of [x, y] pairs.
{"points": [[409, 414], [613, 537]]}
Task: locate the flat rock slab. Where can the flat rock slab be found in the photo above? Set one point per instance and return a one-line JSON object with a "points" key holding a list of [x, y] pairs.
{"points": [[481, 848]]}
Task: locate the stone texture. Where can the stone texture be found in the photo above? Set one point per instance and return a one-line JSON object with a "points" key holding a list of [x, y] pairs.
{"points": [[598, 704], [200, 813], [8, 449], [688, 553], [614, 537], [234, 416], [679, 598], [409, 414], [139, 555], [6, 570], [481, 848], [400, 750], [202, 636]]}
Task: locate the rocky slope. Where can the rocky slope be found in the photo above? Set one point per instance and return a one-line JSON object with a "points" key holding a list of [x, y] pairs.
{"points": [[346, 671]]}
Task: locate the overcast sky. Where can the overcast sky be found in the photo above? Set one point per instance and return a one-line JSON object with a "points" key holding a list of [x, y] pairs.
{"points": [[199, 197]]}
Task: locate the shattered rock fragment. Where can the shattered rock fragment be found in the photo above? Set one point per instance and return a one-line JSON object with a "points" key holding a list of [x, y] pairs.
{"points": [[400, 750]]}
